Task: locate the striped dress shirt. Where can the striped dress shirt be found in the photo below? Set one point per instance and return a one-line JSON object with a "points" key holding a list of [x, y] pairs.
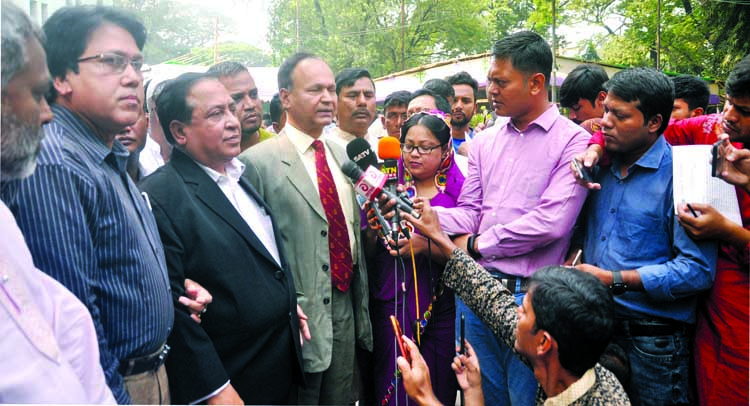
{"points": [[88, 226]]}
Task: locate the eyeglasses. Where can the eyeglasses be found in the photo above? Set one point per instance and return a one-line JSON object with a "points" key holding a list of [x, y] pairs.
{"points": [[408, 148], [115, 63]]}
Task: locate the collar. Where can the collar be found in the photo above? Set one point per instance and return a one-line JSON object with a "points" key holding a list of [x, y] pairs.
{"points": [[301, 141], [574, 391], [651, 159], [346, 136], [234, 170], [86, 138], [545, 120]]}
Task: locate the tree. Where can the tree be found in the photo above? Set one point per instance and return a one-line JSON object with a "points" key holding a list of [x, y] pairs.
{"points": [[173, 30], [369, 33], [245, 54]]}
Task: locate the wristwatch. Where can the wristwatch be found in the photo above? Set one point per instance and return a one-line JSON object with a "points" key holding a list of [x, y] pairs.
{"points": [[618, 286], [470, 247]]}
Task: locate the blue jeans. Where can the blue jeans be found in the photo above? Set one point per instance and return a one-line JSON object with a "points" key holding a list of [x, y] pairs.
{"points": [[505, 379], [658, 367]]}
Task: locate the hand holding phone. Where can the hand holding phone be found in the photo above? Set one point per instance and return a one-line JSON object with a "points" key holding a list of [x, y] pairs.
{"points": [[400, 339], [718, 158], [582, 172]]}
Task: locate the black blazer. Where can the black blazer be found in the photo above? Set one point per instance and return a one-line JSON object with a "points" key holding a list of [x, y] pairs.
{"points": [[250, 333]]}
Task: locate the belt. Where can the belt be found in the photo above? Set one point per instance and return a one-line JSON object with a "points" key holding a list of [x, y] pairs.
{"points": [[135, 366], [649, 327], [511, 283]]}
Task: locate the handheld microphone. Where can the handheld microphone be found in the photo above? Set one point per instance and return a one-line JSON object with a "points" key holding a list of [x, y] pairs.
{"points": [[360, 153], [389, 150], [370, 183]]}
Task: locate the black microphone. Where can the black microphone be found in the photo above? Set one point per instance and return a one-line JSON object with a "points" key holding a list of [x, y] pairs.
{"points": [[360, 152], [369, 184]]}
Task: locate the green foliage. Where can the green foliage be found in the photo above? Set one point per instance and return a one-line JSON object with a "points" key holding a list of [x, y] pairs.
{"points": [[368, 33], [246, 54], [173, 29], [707, 41]]}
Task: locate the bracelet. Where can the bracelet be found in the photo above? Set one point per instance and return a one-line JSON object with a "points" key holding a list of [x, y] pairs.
{"points": [[470, 247]]}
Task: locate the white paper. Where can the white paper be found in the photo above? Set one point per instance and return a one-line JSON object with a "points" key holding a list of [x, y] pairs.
{"points": [[692, 182]]}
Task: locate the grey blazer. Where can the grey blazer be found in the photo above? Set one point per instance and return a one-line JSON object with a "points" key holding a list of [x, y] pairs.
{"points": [[276, 171]]}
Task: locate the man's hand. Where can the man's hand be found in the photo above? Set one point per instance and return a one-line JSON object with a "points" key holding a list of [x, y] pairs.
{"points": [[588, 159], [603, 275], [227, 396], [737, 168], [467, 371], [197, 299], [709, 225], [304, 329], [416, 376]]}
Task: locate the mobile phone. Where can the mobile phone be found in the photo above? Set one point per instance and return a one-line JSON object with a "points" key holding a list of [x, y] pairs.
{"points": [[399, 337], [582, 171], [718, 161], [463, 333]]}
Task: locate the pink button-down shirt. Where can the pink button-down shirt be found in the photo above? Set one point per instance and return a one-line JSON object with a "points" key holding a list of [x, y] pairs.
{"points": [[519, 193]]}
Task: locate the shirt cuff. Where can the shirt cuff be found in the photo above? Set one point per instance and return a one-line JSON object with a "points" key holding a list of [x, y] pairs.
{"points": [[210, 395]]}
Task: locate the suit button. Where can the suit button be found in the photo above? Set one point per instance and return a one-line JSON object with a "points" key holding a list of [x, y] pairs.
{"points": [[326, 301], [290, 315], [278, 275], [324, 233], [325, 268]]}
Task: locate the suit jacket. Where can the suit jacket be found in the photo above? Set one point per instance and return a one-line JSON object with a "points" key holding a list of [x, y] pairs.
{"points": [[250, 332], [278, 174]]}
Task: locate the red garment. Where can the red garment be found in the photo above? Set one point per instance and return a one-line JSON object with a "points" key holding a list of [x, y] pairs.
{"points": [[722, 339]]}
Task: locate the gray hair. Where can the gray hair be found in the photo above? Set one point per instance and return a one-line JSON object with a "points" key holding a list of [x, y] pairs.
{"points": [[17, 29]]}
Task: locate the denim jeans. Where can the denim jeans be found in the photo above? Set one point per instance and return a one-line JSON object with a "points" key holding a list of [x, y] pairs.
{"points": [[505, 379], [658, 367]]}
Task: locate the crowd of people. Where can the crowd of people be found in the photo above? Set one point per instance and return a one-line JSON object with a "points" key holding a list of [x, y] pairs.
{"points": [[162, 244]]}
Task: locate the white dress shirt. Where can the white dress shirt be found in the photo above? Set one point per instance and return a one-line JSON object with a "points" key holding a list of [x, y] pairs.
{"points": [[254, 214]]}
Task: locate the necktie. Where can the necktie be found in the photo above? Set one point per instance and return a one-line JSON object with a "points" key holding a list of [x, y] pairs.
{"points": [[338, 236]]}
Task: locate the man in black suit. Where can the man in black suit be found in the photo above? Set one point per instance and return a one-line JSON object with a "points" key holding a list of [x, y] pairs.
{"points": [[218, 232]]}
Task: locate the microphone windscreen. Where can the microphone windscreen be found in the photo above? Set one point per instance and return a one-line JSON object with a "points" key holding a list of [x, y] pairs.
{"points": [[350, 169], [389, 148], [360, 152]]}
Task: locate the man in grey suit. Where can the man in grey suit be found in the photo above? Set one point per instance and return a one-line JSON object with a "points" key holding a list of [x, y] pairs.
{"points": [[299, 176]]}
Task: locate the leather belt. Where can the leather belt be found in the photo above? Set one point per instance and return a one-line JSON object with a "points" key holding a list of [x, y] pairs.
{"points": [[649, 327], [511, 283], [152, 362]]}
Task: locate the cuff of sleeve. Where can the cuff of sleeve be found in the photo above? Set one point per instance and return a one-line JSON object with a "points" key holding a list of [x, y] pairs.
{"points": [[656, 286], [210, 395]]}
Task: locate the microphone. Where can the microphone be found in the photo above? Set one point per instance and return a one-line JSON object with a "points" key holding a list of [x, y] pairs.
{"points": [[359, 152], [370, 183], [389, 150]]}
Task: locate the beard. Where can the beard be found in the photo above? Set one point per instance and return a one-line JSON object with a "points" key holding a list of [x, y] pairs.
{"points": [[20, 143], [460, 123]]}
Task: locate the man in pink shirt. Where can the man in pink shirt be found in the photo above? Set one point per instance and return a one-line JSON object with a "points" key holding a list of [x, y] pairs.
{"points": [[519, 203]]}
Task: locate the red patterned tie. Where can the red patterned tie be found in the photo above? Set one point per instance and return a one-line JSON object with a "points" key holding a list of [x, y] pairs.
{"points": [[338, 235]]}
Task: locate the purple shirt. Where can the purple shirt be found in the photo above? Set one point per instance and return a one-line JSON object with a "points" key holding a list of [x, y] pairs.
{"points": [[519, 193], [48, 347]]}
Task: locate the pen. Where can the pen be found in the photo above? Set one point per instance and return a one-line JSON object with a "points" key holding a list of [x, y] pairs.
{"points": [[691, 210], [577, 258]]}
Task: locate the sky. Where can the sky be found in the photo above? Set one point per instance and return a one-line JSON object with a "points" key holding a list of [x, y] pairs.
{"points": [[251, 31]]}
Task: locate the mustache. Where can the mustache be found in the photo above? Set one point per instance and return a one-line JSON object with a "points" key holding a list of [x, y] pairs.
{"points": [[361, 112]]}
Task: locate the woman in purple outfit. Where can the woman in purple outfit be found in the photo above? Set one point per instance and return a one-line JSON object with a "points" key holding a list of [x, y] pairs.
{"points": [[426, 169]]}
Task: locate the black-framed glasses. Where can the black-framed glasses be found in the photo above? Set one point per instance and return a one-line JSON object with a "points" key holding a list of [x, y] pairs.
{"points": [[116, 63], [408, 148]]}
